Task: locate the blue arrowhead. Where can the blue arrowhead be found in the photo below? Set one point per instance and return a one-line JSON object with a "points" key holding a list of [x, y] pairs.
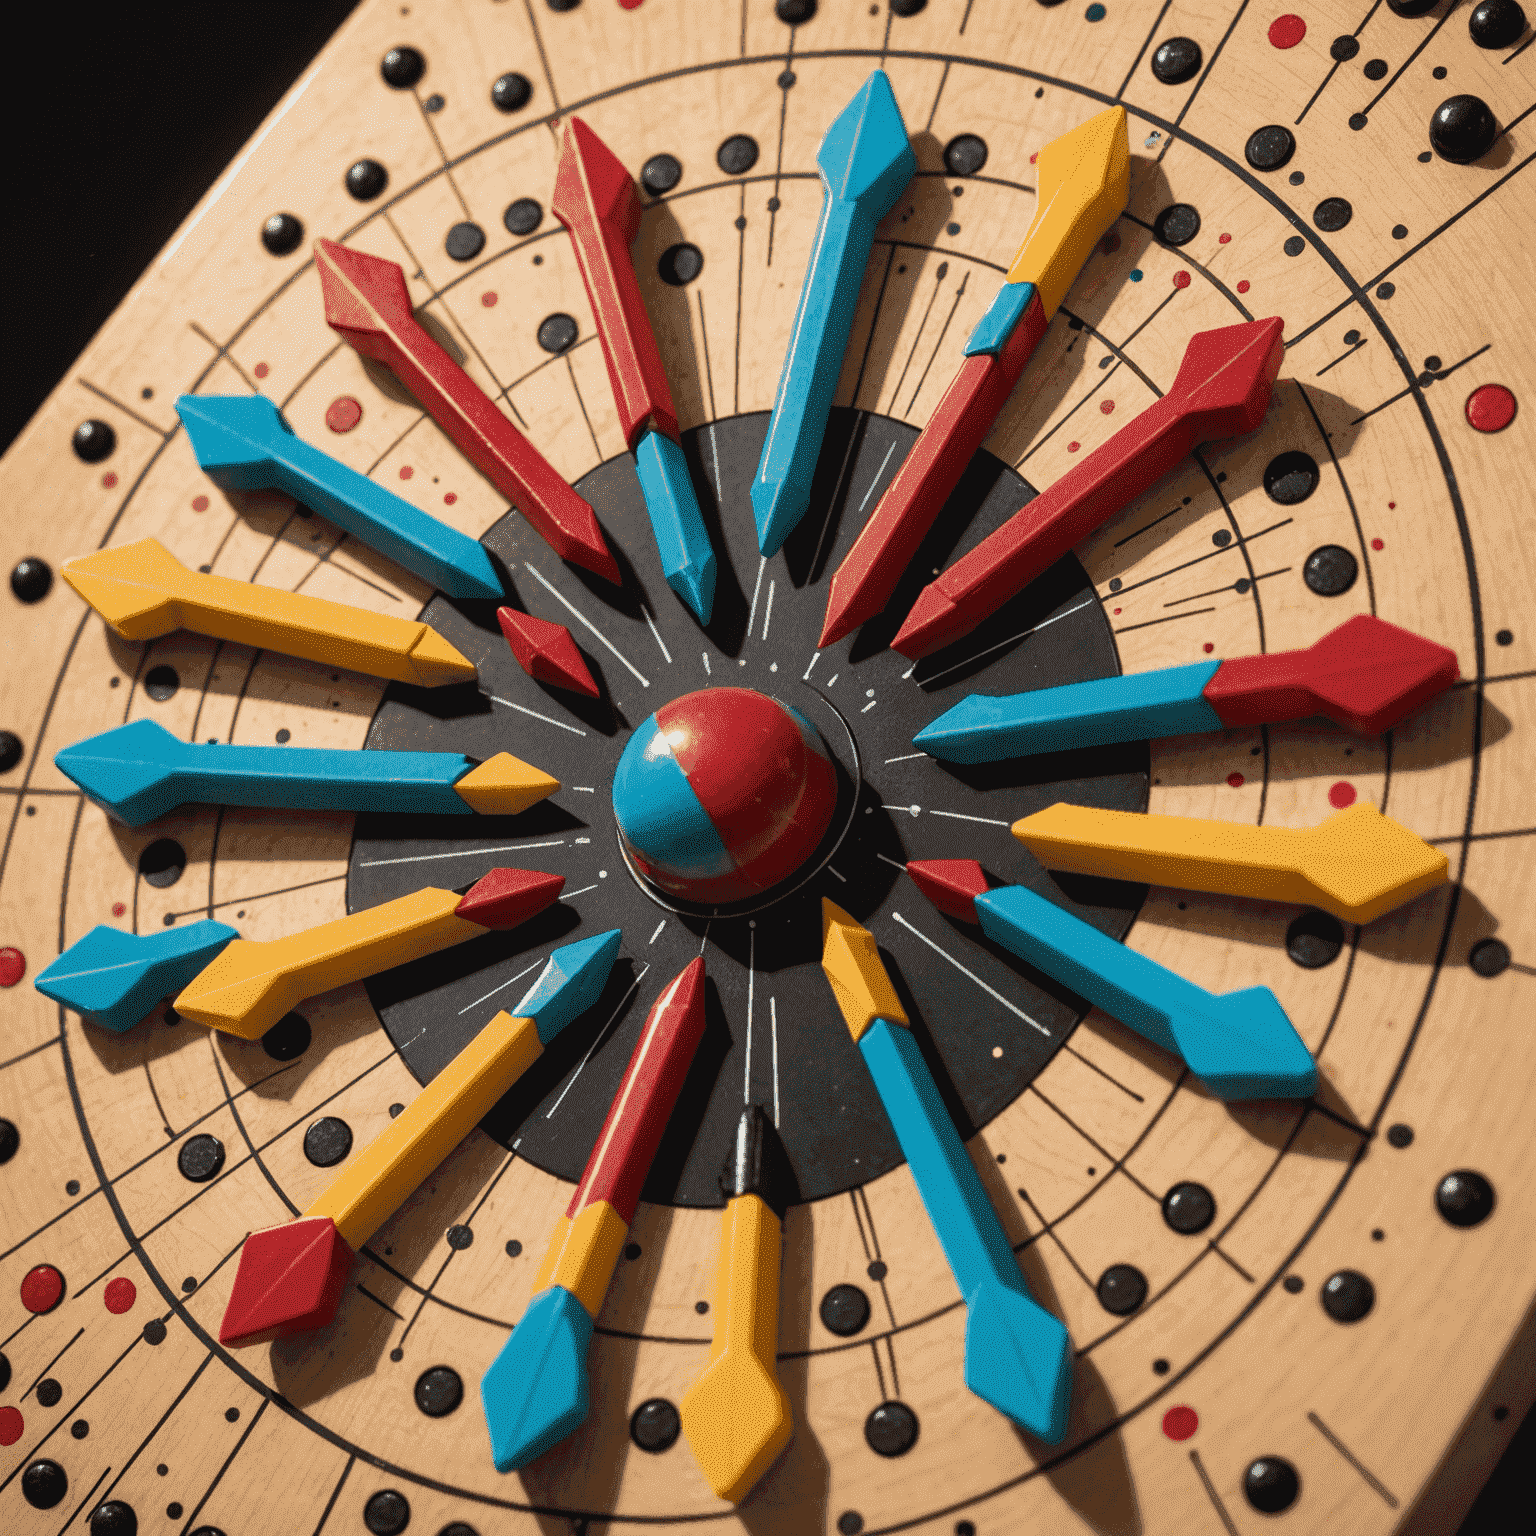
{"points": [[243, 444], [1241, 1046], [1018, 1357], [140, 771], [571, 982], [865, 162], [114, 978], [682, 541], [535, 1392], [1141, 707]]}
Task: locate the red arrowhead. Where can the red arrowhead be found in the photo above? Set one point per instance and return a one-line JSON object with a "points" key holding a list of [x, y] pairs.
{"points": [[1366, 674], [506, 897], [546, 651], [289, 1280], [952, 885]]}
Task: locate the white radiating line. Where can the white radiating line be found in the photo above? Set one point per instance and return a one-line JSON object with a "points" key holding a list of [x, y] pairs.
{"points": [[502, 988], [991, 821], [706, 664], [908, 673], [659, 926], [815, 657], [991, 992], [223, 183], [892, 862], [582, 892], [587, 789], [463, 853], [773, 1026], [547, 719], [869, 706], [773, 587], [704, 937], [833, 678], [746, 1082], [1022, 635], [657, 633], [876, 481], [596, 1042], [762, 565], [571, 607], [831, 871], [907, 759], [911, 810], [714, 453]]}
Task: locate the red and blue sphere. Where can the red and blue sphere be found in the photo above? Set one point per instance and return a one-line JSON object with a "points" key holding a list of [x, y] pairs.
{"points": [[723, 794]]}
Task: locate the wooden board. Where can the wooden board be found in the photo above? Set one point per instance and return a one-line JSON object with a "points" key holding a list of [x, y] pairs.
{"points": [[1397, 313]]}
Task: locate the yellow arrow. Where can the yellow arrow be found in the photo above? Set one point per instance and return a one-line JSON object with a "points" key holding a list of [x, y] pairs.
{"points": [[1089, 173], [143, 591], [1357, 864], [736, 1416]]}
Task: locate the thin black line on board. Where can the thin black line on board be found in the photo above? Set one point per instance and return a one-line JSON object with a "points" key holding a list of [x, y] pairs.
{"points": [[79, 1332], [943, 332], [84, 1501], [1371, 1480], [778, 159], [1424, 42], [538, 42], [1211, 1494], [1141, 52], [218, 1476], [437, 144], [1205, 74], [1349, 495], [1216, 482], [1180, 254], [127, 410], [176, 1402], [330, 1503]]}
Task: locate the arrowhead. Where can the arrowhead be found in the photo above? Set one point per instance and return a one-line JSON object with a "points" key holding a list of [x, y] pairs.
{"points": [[1018, 1358], [504, 785], [507, 897], [1361, 864], [1084, 181], [114, 978], [590, 176], [132, 586], [232, 436], [930, 625], [1245, 1047], [737, 1420], [865, 156], [363, 294], [952, 885], [687, 557], [290, 1280], [852, 964], [546, 651], [1228, 374], [571, 982], [130, 771], [535, 1392]]}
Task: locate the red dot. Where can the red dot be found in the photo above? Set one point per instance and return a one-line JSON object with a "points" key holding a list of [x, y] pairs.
{"points": [[343, 413], [11, 1425], [13, 966], [109, 479], [1244, 286], [1209, 647], [261, 370], [489, 300], [1391, 505], [1341, 795], [42, 1288], [630, 5], [1117, 610], [118, 908], [120, 1295], [1224, 239], [1034, 157], [1110, 242], [199, 503], [1072, 447], [1377, 544], [1490, 408], [450, 498], [1235, 780], [1180, 1423], [1181, 279], [1286, 31], [1107, 407], [406, 471]]}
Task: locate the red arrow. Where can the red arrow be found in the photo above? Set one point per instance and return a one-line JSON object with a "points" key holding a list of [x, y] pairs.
{"points": [[1222, 388], [366, 303], [595, 199], [1366, 674], [546, 651]]}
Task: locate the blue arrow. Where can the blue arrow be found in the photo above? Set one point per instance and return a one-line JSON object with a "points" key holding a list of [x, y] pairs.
{"points": [[115, 978], [687, 556], [243, 444], [571, 982], [536, 1394], [140, 771], [1240, 1045], [1017, 1356], [865, 162], [1169, 702]]}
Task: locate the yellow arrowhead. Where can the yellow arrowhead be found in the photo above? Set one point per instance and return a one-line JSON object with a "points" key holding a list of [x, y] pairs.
{"points": [[853, 966], [1084, 182], [504, 785], [1357, 864]]}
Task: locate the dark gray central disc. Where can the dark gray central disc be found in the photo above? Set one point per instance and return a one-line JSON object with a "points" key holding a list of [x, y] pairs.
{"points": [[987, 1023]]}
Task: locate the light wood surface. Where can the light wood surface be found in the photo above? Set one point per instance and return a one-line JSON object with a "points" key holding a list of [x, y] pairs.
{"points": [[1404, 1412]]}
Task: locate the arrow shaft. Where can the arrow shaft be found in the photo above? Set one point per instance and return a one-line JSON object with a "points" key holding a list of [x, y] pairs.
{"points": [[962, 1216]]}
